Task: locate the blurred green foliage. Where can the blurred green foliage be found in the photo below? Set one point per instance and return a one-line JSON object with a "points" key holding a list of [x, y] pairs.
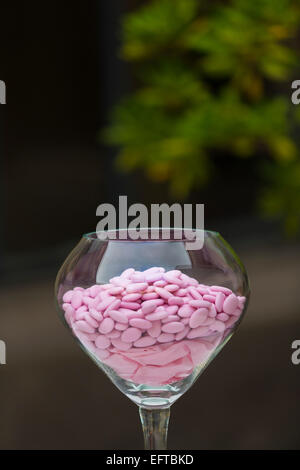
{"points": [[205, 71]]}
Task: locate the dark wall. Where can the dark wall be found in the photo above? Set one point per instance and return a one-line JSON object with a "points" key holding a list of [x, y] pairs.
{"points": [[49, 59], [51, 164]]}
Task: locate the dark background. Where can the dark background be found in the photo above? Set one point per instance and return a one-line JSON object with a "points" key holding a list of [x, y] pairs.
{"points": [[60, 64]]}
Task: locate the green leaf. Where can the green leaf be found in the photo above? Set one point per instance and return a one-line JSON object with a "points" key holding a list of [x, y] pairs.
{"points": [[205, 82], [155, 24]]}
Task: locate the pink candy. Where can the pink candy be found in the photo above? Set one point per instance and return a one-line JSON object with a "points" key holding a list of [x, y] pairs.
{"points": [[118, 316], [76, 301], [140, 323], [144, 342], [131, 297], [164, 294], [68, 296], [173, 327], [152, 327], [198, 317], [230, 304], [155, 330], [194, 293], [102, 342], [141, 286], [106, 326], [165, 338], [157, 315], [131, 334], [219, 301], [175, 301], [185, 311], [149, 305]]}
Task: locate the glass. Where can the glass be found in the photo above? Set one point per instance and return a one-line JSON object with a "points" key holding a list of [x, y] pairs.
{"points": [[151, 313]]}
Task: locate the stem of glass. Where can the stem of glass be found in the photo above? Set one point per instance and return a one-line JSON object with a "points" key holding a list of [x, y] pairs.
{"points": [[155, 427]]}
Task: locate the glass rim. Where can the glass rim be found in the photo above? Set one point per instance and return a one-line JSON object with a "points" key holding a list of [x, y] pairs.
{"points": [[94, 235]]}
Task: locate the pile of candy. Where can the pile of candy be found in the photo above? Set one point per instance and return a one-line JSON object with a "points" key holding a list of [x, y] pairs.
{"points": [[152, 327]]}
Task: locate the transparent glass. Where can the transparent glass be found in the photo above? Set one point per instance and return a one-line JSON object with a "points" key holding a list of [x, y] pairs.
{"points": [[157, 368]]}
